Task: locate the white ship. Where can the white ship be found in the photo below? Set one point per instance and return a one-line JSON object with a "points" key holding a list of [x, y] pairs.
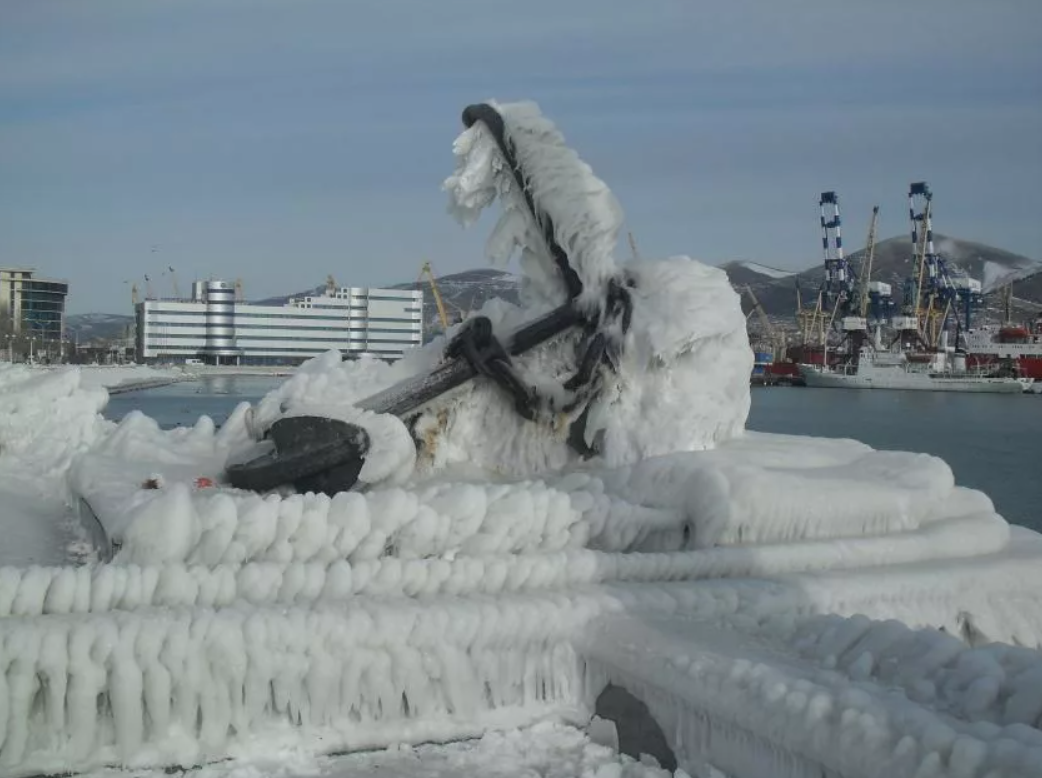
{"points": [[894, 370]]}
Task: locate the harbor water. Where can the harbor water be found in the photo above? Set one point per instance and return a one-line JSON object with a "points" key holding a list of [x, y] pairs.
{"points": [[992, 442]]}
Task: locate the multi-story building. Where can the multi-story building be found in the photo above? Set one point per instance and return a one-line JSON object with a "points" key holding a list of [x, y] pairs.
{"points": [[30, 306], [217, 328]]}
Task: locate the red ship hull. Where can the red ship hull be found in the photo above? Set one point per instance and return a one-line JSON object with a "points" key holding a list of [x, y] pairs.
{"points": [[1027, 366]]}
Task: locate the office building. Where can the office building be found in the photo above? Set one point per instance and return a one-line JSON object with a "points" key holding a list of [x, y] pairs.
{"points": [[30, 306], [216, 327]]}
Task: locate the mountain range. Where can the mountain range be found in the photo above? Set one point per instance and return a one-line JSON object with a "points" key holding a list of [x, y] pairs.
{"points": [[774, 288]]}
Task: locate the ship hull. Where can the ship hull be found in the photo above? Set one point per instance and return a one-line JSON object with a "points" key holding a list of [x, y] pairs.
{"points": [[1027, 366], [904, 382]]}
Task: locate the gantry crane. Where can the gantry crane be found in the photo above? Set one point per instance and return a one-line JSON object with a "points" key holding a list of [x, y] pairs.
{"points": [[810, 320]]}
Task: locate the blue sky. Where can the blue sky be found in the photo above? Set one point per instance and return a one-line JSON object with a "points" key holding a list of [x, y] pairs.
{"points": [[283, 141]]}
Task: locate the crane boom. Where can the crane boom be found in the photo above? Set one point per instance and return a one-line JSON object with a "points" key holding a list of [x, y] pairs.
{"points": [[426, 270], [633, 247], [173, 282], [768, 328], [866, 265]]}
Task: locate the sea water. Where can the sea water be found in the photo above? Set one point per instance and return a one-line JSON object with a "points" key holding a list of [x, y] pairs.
{"points": [[992, 442]]}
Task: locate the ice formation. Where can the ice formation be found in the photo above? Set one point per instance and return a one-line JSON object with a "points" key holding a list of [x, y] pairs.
{"points": [[682, 382], [784, 606]]}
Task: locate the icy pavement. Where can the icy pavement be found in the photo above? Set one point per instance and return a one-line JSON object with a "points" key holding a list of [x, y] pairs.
{"points": [[38, 528], [544, 751]]}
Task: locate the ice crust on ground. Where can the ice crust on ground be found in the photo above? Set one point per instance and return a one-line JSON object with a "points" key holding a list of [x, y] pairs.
{"points": [[785, 606], [546, 749]]}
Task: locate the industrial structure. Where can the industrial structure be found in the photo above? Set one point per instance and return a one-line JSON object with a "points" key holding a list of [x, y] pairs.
{"points": [[215, 326], [848, 303], [937, 297], [852, 336]]}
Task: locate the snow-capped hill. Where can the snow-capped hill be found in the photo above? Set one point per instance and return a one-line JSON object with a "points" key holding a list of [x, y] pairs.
{"points": [[98, 326], [465, 292], [893, 259], [743, 273], [771, 272], [996, 276], [892, 264], [993, 267]]}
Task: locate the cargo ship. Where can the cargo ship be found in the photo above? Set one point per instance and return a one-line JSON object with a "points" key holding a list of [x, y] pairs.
{"points": [[1016, 349], [898, 370], [768, 372]]}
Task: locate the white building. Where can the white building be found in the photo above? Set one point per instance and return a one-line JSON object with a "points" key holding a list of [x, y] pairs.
{"points": [[217, 328]]}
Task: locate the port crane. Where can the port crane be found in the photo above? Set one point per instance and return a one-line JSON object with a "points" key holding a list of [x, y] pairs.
{"points": [[633, 247], [173, 283], [840, 280], [427, 271], [774, 338], [837, 295], [936, 293], [876, 301]]}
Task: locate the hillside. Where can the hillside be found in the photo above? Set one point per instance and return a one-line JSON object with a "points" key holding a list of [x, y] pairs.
{"points": [[85, 327], [893, 263], [755, 275], [463, 292]]}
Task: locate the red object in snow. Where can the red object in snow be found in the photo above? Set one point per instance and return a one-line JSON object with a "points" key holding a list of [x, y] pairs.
{"points": [[202, 482]]}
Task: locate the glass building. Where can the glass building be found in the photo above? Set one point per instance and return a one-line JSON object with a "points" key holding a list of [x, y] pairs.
{"points": [[30, 306]]}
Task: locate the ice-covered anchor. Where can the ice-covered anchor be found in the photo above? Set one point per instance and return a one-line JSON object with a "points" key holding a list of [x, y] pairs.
{"points": [[327, 455]]}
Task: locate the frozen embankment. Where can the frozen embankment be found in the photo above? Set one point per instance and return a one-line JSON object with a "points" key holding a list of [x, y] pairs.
{"points": [[120, 379]]}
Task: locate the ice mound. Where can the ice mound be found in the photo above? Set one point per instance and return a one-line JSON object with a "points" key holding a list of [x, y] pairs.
{"points": [[47, 417]]}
